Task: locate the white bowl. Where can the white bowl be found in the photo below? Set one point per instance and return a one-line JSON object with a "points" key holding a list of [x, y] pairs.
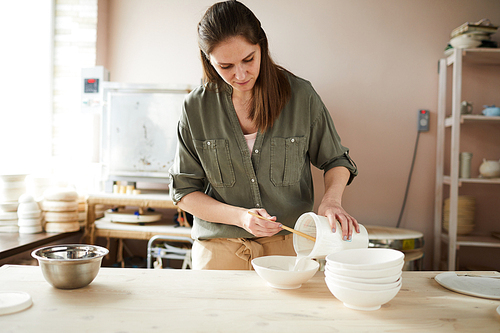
{"points": [[13, 185], [9, 206], [363, 286], [362, 299], [60, 194], [385, 279], [278, 271], [28, 207], [29, 222], [363, 259], [367, 273], [8, 216], [31, 229], [465, 41], [13, 178], [11, 194]]}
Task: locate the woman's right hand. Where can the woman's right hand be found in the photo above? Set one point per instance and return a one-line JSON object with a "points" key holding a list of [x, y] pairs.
{"points": [[259, 227]]}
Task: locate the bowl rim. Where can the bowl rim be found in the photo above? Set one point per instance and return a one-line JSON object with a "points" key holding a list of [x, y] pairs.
{"points": [[377, 272], [382, 286], [102, 252], [360, 279], [330, 283], [316, 264], [343, 261]]}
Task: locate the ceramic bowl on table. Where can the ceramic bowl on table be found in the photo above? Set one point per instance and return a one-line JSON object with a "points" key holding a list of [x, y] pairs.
{"points": [[366, 259], [70, 266], [362, 299], [278, 271], [367, 274], [380, 280], [367, 286]]}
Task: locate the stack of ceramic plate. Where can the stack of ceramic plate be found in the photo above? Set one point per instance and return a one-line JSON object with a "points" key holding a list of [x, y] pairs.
{"points": [[8, 221], [11, 188], [60, 210], [82, 210], [30, 215], [364, 279], [465, 217]]}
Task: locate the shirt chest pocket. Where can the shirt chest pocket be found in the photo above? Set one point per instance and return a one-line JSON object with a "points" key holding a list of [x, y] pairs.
{"points": [[287, 160], [216, 161]]}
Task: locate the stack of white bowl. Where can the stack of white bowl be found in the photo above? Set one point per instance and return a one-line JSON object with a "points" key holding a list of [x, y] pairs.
{"points": [[82, 210], [29, 214], [60, 207], [8, 217], [11, 188], [465, 214], [364, 279]]}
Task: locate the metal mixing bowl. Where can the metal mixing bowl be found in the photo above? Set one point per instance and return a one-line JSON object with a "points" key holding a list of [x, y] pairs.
{"points": [[70, 266]]}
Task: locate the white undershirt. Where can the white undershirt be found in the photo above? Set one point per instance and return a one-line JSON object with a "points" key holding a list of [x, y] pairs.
{"points": [[250, 141]]}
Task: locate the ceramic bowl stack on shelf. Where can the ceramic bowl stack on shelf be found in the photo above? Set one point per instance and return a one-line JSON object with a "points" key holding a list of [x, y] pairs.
{"points": [[364, 279], [60, 210], [82, 210], [29, 215], [471, 35], [465, 217], [8, 217], [11, 188]]}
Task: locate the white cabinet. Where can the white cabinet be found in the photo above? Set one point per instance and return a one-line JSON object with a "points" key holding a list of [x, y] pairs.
{"points": [[449, 128]]}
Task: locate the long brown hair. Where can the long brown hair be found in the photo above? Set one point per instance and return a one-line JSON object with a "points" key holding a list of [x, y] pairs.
{"points": [[272, 90]]}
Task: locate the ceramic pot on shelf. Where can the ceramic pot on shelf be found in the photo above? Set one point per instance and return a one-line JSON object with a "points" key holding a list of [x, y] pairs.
{"points": [[490, 169]]}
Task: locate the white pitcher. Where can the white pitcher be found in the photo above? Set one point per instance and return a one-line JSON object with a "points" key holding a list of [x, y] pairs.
{"points": [[326, 241]]}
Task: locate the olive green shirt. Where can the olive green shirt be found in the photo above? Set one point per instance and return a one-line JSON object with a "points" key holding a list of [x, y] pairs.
{"points": [[213, 157]]}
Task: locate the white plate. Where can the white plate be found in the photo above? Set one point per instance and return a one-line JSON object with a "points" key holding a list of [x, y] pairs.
{"points": [[469, 285], [128, 216], [14, 301]]}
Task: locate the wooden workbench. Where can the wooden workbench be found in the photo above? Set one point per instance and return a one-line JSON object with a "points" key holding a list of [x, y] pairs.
{"points": [[140, 300], [104, 228], [121, 230]]}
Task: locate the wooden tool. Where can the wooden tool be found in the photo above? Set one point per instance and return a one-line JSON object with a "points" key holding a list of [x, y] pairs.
{"points": [[285, 227]]}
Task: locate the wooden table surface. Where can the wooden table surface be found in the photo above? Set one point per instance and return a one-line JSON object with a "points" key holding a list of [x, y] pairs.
{"points": [[140, 300]]}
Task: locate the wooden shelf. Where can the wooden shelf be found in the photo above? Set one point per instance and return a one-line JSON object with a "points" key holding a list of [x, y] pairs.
{"points": [[447, 180], [479, 56], [473, 118], [454, 63], [474, 240]]}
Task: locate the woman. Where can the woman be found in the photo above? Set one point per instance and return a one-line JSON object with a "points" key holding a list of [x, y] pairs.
{"points": [[246, 141]]}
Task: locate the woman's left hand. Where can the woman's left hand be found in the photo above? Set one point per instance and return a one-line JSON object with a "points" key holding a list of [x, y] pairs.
{"points": [[331, 207], [335, 212]]}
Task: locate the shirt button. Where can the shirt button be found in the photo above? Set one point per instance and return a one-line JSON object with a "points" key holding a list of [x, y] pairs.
{"points": [[293, 140], [257, 205], [252, 180], [256, 151], [208, 143]]}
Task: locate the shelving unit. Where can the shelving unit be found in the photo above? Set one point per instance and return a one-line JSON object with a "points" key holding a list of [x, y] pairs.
{"points": [[488, 57]]}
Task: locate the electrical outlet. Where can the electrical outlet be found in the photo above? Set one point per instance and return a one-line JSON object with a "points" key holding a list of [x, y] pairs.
{"points": [[423, 120]]}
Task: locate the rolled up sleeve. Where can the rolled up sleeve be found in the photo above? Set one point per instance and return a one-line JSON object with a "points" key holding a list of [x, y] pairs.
{"points": [[325, 148], [186, 174]]}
